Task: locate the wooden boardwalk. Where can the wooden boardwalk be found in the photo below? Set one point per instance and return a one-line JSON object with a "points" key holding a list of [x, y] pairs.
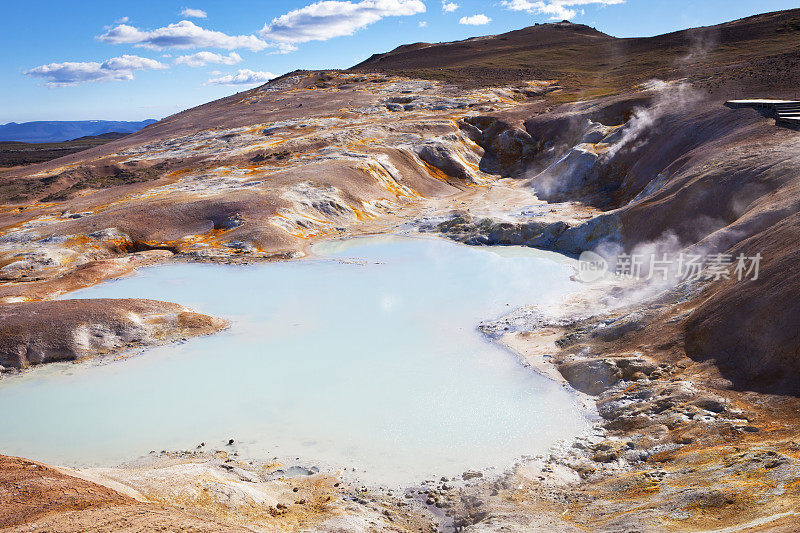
{"points": [[787, 112]]}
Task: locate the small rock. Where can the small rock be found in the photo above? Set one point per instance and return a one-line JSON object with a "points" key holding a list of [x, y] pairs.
{"points": [[471, 474], [711, 404]]}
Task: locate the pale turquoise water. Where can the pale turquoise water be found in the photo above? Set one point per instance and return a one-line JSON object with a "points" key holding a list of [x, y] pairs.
{"points": [[375, 366]]}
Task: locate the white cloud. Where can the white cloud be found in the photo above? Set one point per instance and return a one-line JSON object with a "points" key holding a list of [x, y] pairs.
{"points": [[243, 77], [475, 20], [184, 34], [449, 7], [123, 20], [129, 62], [201, 59], [194, 13], [557, 9], [283, 48], [422, 23], [74, 73], [325, 20]]}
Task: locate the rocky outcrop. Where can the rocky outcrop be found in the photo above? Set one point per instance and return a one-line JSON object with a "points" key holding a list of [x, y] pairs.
{"points": [[551, 235], [67, 330], [443, 154], [576, 169], [593, 375], [508, 149], [465, 228]]}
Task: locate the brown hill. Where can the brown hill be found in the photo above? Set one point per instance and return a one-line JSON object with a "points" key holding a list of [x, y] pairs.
{"points": [[755, 54]]}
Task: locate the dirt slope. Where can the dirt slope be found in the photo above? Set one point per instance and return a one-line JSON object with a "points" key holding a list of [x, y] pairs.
{"points": [[37, 497]]}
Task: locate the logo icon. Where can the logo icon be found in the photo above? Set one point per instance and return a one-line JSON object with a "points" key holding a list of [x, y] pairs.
{"points": [[592, 267]]}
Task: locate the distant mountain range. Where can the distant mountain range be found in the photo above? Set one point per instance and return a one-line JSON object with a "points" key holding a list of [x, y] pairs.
{"points": [[50, 131]]}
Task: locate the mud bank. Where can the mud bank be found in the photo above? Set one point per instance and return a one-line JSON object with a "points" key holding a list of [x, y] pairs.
{"points": [[69, 330]]}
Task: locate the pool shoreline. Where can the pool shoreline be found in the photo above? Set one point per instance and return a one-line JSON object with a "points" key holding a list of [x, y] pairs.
{"points": [[499, 469]]}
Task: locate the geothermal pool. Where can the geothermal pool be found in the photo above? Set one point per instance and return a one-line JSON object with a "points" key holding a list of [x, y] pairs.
{"points": [[365, 358]]}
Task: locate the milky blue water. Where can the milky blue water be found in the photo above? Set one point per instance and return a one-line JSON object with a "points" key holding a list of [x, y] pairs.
{"points": [[366, 358]]}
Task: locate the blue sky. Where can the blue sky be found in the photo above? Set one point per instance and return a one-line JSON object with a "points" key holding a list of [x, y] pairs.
{"points": [[84, 59]]}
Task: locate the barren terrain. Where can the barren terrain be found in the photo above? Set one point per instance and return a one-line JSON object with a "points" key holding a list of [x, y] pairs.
{"points": [[696, 382]]}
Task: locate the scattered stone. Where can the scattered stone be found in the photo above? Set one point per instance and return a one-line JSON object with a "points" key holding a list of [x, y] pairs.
{"points": [[715, 405], [591, 376]]}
